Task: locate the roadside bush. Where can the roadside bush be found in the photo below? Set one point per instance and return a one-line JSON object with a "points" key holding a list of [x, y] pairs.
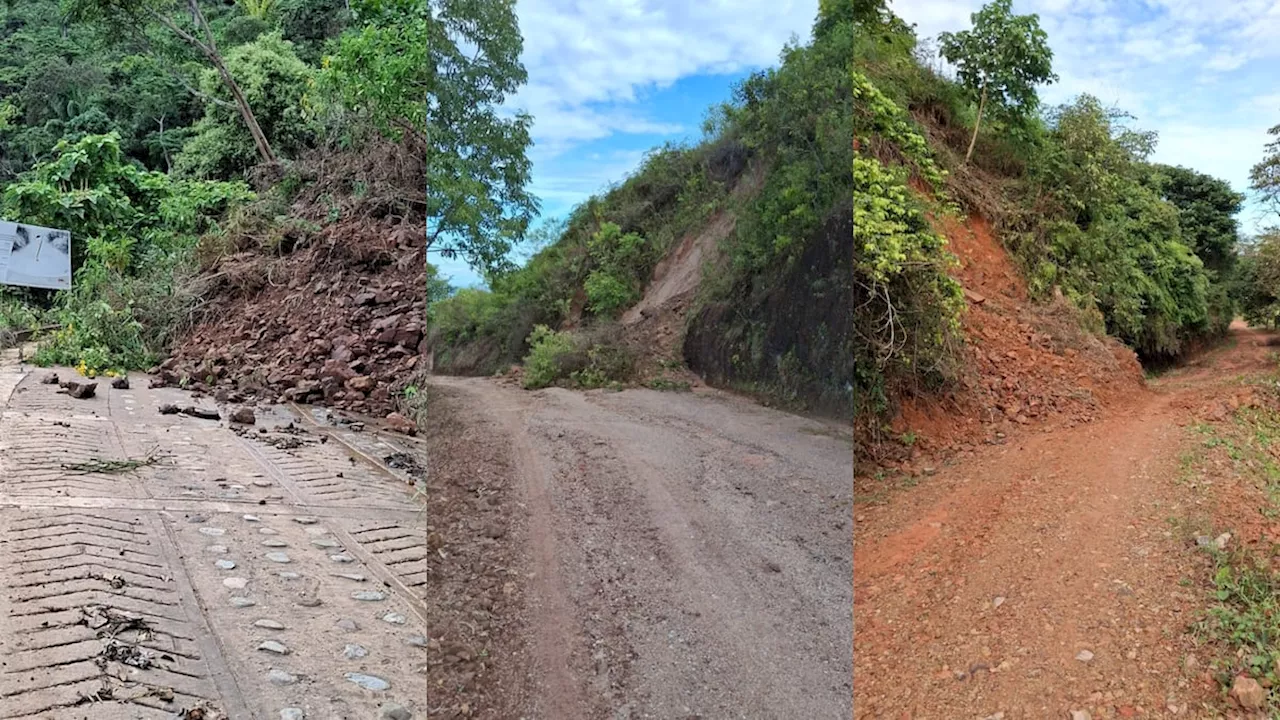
{"points": [[588, 359], [548, 349]]}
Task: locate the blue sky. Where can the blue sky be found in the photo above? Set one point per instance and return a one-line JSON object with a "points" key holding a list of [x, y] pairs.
{"points": [[610, 79], [1201, 73]]}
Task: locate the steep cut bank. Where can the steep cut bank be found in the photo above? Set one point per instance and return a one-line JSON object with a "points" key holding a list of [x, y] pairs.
{"points": [[1023, 365], [726, 260]]}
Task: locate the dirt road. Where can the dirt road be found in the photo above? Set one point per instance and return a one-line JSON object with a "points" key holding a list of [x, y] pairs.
{"points": [[682, 555], [245, 575], [1046, 574]]}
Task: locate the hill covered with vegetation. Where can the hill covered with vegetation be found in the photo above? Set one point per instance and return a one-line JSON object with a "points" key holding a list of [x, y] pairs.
{"points": [[728, 256], [199, 152], [1144, 252]]}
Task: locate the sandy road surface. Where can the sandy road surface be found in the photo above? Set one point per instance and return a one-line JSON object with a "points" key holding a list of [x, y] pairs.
{"points": [[687, 555], [1044, 575], [236, 576]]}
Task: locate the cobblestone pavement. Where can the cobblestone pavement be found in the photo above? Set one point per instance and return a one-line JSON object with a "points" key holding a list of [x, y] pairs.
{"points": [[239, 574]]}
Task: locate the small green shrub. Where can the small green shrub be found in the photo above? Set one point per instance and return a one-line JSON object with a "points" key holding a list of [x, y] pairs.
{"points": [[607, 295], [543, 364]]}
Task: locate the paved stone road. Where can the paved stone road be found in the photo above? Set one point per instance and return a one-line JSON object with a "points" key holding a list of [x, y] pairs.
{"points": [[246, 575]]}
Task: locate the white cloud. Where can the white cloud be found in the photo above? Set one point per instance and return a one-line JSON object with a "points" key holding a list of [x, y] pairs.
{"points": [[581, 54], [1227, 61], [1190, 70]]}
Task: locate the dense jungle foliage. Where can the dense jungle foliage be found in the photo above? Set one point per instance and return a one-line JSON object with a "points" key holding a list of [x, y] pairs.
{"points": [[139, 125]]}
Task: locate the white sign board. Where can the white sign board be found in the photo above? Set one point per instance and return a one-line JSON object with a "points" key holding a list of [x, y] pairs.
{"points": [[34, 256]]}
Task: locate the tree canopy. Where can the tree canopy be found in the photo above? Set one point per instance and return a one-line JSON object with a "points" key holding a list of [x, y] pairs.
{"points": [[478, 202]]}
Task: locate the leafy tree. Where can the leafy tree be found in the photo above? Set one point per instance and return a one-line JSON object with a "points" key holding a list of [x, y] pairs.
{"points": [[187, 22], [1257, 286], [1001, 61], [1207, 209], [1264, 177], [438, 71], [274, 80]]}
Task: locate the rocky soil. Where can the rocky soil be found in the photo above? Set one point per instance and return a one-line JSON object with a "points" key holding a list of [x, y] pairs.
{"points": [[340, 322]]}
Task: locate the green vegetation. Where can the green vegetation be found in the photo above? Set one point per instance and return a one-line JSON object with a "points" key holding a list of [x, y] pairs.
{"points": [[774, 311], [467, 57], [137, 124], [1001, 61], [1256, 285], [1240, 625], [593, 265], [1145, 252]]}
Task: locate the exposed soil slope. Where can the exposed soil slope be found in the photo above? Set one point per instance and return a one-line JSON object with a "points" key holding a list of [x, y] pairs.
{"points": [[1024, 364]]}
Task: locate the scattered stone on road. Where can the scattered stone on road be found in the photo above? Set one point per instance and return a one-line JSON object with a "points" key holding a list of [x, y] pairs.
{"points": [[273, 646], [394, 711], [244, 416], [80, 391], [368, 682], [1084, 656]]}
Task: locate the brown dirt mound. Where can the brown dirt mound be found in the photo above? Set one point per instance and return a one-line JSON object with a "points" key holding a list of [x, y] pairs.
{"points": [[1025, 364], [654, 327], [339, 321]]}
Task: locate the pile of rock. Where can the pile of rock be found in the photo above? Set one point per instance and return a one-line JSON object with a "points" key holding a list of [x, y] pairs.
{"points": [[346, 339]]}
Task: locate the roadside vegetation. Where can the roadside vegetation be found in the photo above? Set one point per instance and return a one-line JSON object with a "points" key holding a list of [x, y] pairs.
{"points": [[167, 135], [1233, 466], [1144, 252], [773, 313]]}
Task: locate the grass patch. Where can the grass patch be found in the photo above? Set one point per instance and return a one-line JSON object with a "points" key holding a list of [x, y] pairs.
{"points": [[1244, 620], [668, 385], [1241, 620]]}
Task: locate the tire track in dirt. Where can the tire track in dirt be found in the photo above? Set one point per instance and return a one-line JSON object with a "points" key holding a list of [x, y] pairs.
{"points": [[695, 549], [554, 624], [977, 592]]}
